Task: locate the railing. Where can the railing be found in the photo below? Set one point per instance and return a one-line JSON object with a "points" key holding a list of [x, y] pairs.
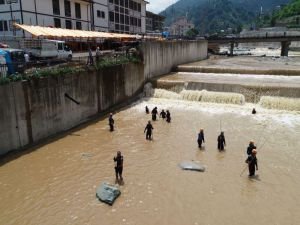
{"points": [[3, 70]]}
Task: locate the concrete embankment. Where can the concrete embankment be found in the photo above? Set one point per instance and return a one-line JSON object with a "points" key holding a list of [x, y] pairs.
{"points": [[31, 111], [248, 76]]}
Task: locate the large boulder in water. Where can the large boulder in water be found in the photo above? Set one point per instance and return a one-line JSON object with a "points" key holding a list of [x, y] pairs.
{"points": [[107, 193], [188, 165]]}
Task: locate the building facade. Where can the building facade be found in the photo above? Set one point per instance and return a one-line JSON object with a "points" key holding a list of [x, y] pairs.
{"points": [[181, 26], [124, 16], [154, 22]]}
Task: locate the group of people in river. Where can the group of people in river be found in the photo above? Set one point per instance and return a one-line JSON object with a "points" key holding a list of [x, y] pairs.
{"points": [[221, 142], [165, 115]]}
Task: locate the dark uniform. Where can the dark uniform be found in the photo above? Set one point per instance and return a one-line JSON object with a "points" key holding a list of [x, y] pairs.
{"points": [[250, 148], [154, 113], [200, 138], [147, 110], [163, 114], [168, 117], [221, 141], [111, 122], [149, 129], [252, 162], [118, 165]]}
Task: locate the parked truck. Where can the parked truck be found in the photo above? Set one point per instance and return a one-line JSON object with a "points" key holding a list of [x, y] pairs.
{"points": [[43, 49]]}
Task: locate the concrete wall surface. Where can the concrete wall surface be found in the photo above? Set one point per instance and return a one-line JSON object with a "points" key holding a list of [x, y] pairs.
{"points": [[33, 110], [161, 57]]}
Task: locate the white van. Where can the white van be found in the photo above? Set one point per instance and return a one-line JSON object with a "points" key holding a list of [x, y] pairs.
{"points": [[43, 48]]}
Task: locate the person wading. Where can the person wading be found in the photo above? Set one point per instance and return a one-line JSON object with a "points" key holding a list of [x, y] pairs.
{"points": [[252, 163], [148, 130], [163, 114], [200, 138], [147, 110], [111, 122], [154, 113], [253, 111], [250, 147], [118, 166], [168, 117], [221, 141]]}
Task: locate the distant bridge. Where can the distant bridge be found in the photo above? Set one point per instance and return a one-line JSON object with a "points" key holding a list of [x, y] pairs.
{"points": [[285, 38]]}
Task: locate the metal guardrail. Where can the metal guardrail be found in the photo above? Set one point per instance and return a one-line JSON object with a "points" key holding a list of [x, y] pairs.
{"points": [[3, 70]]}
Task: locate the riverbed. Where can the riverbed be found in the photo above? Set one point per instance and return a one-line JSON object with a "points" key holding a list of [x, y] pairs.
{"points": [[56, 182]]}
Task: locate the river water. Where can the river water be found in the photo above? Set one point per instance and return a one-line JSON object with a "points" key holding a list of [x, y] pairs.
{"points": [[55, 183]]}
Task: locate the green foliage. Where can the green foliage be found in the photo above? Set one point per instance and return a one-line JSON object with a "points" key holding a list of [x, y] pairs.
{"points": [[192, 32], [4, 80], [113, 61], [211, 16]]}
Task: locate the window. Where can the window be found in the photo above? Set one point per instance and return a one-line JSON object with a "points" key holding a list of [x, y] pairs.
{"points": [[117, 17], [2, 2], [77, 11], [57, 22], [3, 25], [130, 4], [116, 2], [121, 10], [116, 8], [68, 24], [139, 7], [139, 22], [55, 4], [126, 3], [127, 20], [60, 46], [78, 25], [111, 17], [121, 2], [121, 18], [101, 14], [67, 8], [111, 1]]}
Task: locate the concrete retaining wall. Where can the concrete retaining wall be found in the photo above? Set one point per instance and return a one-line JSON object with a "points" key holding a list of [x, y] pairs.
{"points": [[161, 57], [33, 110]]}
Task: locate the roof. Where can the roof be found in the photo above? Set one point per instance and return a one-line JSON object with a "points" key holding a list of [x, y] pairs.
{"points": [[39, 31]]}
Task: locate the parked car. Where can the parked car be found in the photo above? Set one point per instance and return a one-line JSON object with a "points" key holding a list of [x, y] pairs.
{"points": [[14, 60]]}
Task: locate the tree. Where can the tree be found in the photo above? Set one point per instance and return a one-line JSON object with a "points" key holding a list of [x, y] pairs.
{"points": [[192, 32]]}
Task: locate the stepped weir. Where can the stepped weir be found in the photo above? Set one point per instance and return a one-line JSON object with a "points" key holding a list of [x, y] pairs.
{"points": [[230, 86]]}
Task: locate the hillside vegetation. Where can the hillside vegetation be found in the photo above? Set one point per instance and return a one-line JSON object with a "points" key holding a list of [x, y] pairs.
{"points": [[212, 16]]}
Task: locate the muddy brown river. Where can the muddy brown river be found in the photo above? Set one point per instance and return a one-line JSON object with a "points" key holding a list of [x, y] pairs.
{"points": [[55, 183]]}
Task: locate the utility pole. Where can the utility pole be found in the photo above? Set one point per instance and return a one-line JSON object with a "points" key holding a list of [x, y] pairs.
{"points": [[11, 15]]}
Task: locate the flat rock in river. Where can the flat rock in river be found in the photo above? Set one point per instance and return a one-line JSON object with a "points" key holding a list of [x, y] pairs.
{"points": [[188, 165], [107, 193]]}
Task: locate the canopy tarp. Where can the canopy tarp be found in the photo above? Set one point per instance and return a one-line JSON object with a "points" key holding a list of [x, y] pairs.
{"points": [[39, 31]]}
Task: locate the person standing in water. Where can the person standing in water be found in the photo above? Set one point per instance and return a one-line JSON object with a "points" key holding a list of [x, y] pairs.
{"points": [[168, 117], [163, 114], [147, 110], [111, 122], [154, 113], [253, 111], [200, 138], [252, 163], [118, 165], [221, 141], [148, 130]]}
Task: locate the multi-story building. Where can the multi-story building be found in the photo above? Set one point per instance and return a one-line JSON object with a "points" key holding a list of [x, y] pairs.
{"points": [[181, 26], [125, 16], [154, 22]]}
